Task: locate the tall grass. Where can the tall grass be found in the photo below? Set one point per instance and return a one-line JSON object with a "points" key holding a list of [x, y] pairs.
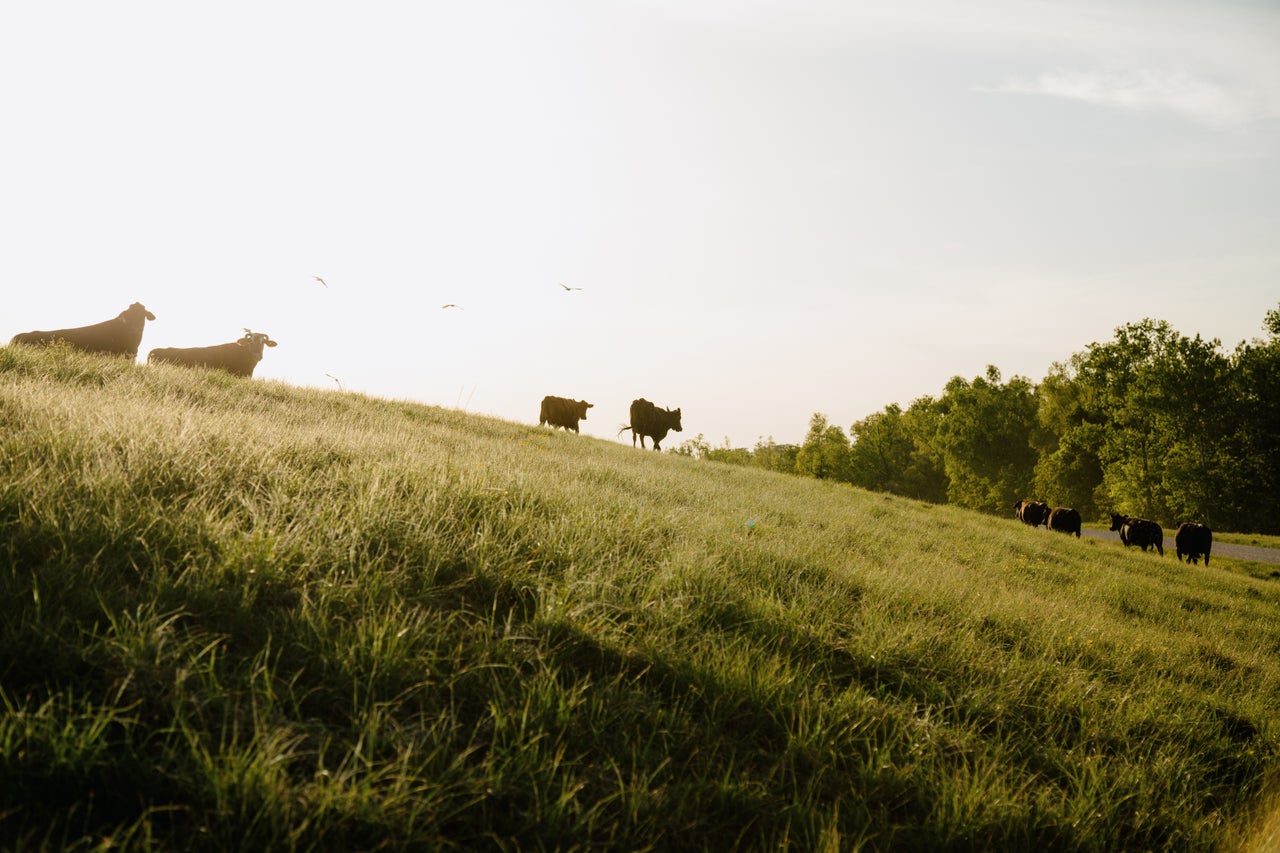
{"points": [[239, 615]]}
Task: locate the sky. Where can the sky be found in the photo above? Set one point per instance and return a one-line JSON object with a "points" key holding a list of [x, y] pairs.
{"points": [[772, 207]]}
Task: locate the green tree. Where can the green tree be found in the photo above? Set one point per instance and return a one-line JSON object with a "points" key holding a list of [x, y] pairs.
{"points": [[984, 431], [728, 454], [892, 451], [1165, 401], [1069, 438], [880, 451], [771, 456], [825, 451], [1254, 503], [697, 447], [1071, 475]]}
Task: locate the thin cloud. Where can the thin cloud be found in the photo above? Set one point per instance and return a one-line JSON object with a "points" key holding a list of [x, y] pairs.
{"points": [[1149, 90]]}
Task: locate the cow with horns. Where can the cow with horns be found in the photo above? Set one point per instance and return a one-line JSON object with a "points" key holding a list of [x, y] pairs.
{"points": [[648, 419], [239, 358]]}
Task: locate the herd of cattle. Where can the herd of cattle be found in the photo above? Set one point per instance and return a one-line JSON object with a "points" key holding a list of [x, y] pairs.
{"points": [[1192, 540], [123, 335]]}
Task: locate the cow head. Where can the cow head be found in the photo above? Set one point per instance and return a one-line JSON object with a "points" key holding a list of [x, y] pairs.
{"points": [[1118, 521], [583, 405], [136, 312], [256, 339], [675, 420]]}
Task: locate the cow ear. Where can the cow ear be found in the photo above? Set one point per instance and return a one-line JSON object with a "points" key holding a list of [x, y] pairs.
{"points": [[270, 342], [590, 405]]}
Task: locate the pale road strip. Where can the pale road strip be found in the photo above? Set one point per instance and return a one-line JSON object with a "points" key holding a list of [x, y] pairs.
{"points": [[1220, 549]]}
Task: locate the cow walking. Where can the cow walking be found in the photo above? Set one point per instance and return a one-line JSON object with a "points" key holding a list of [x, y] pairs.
{"points": [[1064, 519], [648, 419], [120, 336], [238, 358], [1034, 513], [1138, 531], [563, 412], [1193, 540]]}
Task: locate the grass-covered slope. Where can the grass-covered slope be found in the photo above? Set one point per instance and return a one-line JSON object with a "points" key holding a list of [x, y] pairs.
{"points": [[239, 615]]}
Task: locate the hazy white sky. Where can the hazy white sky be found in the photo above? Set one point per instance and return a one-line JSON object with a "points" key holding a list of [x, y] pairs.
{"points": [[773, 207]]}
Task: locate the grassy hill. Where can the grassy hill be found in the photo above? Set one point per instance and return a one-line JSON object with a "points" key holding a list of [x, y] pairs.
{"points": [[240, 615]]}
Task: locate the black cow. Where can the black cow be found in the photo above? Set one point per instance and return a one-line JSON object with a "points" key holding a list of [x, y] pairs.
{"points": [[1034, 513], [648, 419], [1138, 531], [563, 412], [238, 358], [1193, 540], [1064, 519], [120, 336]]}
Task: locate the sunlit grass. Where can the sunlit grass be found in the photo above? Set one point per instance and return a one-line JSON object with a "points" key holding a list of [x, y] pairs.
{"points": [[239, 615]]}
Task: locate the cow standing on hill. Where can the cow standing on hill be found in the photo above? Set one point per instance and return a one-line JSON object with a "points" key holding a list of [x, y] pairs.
{"points": [[238, 358], [563, 412], [648, 419], [120, 336], [1064, 519], [1138, 531], [1193, 539], [1034, 513]]}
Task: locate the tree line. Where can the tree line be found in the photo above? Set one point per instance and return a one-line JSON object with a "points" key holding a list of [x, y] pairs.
{"points": [[1152, 423]]}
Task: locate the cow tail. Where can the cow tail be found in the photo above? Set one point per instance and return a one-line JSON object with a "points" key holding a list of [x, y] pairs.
{"points": [[623, 429]]}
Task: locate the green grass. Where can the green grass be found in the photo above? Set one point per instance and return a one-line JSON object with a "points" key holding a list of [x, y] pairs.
{"points": [[239, 615], [1260, 540]]}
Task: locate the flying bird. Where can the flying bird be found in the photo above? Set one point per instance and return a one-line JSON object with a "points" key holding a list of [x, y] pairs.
{"points": [[319, 279], [452, 305], [569, 289]]}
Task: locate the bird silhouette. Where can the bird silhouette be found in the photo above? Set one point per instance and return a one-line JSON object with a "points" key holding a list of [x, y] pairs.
{"points": [[319, 279], [568, 288]]}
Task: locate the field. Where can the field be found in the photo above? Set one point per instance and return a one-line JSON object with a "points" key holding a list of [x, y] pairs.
{"points": [[240, 615]]}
